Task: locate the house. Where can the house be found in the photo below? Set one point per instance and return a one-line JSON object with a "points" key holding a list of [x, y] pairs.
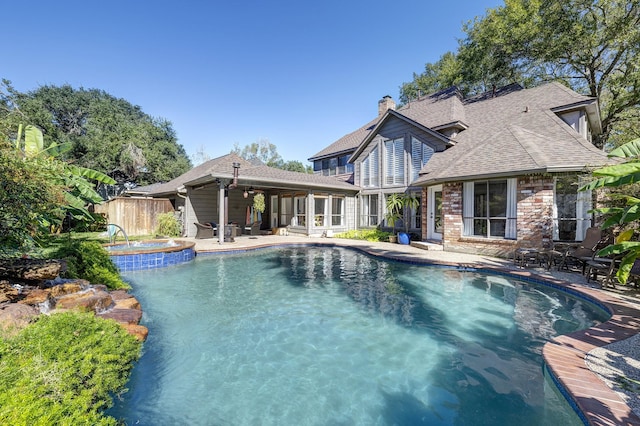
{"points": [[221, 190], [493, 172]]}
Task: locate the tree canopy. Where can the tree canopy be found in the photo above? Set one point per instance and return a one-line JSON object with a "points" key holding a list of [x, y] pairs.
{"points": [[592, 46], [107, 134], [267, 153]]}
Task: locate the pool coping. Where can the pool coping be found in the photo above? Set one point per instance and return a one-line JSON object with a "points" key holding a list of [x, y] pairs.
{"points": [[564, 356]]}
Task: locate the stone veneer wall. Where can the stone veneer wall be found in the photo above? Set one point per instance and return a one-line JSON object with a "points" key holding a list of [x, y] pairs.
{"points": [[534, 219]]}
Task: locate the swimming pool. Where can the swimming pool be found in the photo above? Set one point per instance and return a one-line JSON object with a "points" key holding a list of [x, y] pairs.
{"points": [[333, 336]]}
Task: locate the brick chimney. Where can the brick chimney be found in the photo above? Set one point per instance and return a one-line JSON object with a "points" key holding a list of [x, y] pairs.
{"points": [[386, 103]]}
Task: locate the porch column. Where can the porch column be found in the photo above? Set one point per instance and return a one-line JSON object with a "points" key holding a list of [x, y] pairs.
{"points": [[222, 206]]}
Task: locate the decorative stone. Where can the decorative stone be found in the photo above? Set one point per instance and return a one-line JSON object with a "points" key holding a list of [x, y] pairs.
{"points": [[129, 303], [90, 300], [120, 294], [36, 296], [68, 288], [123, 316], [31, 269], [8, 293], [15, 316], [140, 332]]}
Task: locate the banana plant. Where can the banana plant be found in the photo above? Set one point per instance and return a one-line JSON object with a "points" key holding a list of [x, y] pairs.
{"points": [[78, 180], [625, 217]]}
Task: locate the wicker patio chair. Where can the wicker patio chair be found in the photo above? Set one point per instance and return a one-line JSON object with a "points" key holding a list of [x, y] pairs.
{"points": [[205, 230]]}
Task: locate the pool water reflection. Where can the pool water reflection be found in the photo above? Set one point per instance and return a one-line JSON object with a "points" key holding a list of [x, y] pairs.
{"points": [[332, 336]]}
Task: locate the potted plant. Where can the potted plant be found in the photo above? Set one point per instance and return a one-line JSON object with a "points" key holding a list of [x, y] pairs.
{"points": [[394, 213], [396, 203], [258, 202]]}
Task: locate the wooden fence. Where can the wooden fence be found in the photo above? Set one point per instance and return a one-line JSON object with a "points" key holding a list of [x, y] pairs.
{"points": [[137, 216]]}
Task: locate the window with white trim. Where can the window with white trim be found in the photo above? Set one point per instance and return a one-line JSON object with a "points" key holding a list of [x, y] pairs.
{"points": [[489, 208], [420, 154], [369, 210], [571, 216], [370, 169], [337, 211], [394, 162]]}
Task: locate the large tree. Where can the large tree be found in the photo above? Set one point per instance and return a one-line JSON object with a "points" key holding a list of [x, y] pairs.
{"points": [[592, 46], [108, 134], [265, 152]]}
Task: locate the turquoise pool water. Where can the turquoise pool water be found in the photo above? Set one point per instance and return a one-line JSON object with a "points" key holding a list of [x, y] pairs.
{"points": [[330, 336]]}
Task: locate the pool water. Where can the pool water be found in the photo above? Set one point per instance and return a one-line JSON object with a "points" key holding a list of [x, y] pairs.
{"points": [[331, 336]]}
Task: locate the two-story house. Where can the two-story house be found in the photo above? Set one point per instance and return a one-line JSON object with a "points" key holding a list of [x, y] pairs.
{"points": [[493, 172]]}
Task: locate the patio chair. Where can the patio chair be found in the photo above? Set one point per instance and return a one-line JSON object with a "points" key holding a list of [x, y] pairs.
{"points": [[584, 252], [205, 230], [608, 266], [253, 229]]}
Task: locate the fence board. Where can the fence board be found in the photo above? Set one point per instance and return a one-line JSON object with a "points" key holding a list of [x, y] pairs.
{"points": [[137, 216]]}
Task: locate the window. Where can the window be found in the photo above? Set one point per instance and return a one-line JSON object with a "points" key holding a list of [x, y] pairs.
{"points": [[370, 169], [337, 211], [420, 154], [343, 165], [333, 166], [369, 216], [394, 162], [299, 211], [489, 208], [571, 216], [320, 214], [286, 212]]}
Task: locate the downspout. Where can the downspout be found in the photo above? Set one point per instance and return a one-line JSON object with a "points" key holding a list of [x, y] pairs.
{"points": [[184, 210]]}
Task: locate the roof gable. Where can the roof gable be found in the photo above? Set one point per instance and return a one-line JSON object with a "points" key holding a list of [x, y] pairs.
{"points": [[395, 115]]}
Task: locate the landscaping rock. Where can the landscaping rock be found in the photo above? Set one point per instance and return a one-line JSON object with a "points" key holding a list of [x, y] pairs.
{"points": [[15, 316], [89, 300], [69, 287], [140, 332], [129, 303], [123, 316], [31, 269], [8, 293], [36, 296]]}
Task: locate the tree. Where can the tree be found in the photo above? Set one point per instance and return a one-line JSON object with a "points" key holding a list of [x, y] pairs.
{"points": [[623, 217], [446, 72], [262, 150], [107, 134], [592, 46], [30, 198], [266, 153]]}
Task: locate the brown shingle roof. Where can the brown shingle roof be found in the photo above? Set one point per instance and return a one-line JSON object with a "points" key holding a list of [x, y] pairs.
{"points": [[515, 133], [508, 131], [221, 167]]}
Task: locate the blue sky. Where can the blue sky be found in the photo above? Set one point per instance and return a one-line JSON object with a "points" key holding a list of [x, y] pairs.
{"points": [[300, 74]]}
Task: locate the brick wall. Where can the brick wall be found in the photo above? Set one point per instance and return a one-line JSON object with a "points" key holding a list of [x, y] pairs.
{"points": [[534, 219]]}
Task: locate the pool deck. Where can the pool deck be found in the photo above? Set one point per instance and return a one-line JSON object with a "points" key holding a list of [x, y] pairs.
{"points": [[564, 356]]}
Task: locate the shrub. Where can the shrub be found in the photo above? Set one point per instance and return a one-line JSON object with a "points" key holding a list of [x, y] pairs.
{"points": [[90, 261], [63, 369], [168, 225], [373, 235]]}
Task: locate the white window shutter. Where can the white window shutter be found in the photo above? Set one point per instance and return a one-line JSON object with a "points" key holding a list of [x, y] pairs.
{"points": [[467, 208], [512, 205]]}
